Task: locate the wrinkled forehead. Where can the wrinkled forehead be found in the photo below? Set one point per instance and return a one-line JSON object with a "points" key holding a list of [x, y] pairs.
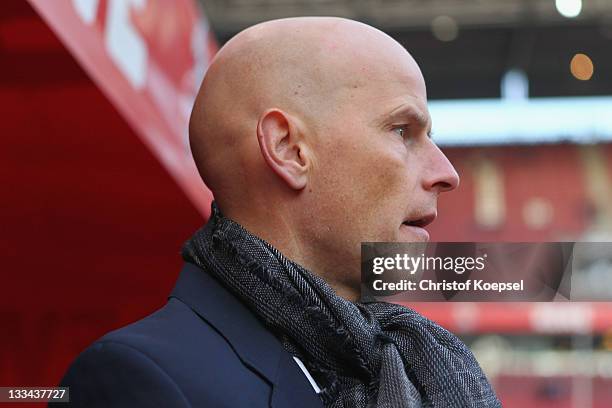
{"points": [[386, 85]]}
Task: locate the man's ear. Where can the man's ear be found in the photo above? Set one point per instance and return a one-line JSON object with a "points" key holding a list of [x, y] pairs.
{"points": [[282, 147]]}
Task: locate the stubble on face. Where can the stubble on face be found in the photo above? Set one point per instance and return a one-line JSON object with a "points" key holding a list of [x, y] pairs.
{"points": [[367, 177]]}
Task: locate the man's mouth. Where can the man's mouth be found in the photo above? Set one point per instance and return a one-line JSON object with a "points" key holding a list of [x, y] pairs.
{"points": [[416, 226], [420, 221]]}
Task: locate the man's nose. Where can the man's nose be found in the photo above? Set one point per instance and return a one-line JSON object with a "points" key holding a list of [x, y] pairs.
{"points": [[441, 175]]}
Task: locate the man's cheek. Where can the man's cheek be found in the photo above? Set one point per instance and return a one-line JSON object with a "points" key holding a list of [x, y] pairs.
{"points": [[383, 201], [386, 180]]}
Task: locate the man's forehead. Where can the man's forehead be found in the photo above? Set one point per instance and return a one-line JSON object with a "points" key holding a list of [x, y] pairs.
{"points": [[368, 58]]}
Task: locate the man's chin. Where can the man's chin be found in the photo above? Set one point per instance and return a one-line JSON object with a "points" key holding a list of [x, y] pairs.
{"points": [[411, 233]]}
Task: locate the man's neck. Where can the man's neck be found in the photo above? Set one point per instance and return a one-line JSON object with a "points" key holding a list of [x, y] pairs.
{"points": [[278, 232]]}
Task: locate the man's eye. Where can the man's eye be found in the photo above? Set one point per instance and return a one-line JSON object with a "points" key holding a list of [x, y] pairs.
{"points": [[402, 130]]}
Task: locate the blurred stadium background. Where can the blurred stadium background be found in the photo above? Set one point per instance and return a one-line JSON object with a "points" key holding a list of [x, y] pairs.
{"points": [[99, 191]]}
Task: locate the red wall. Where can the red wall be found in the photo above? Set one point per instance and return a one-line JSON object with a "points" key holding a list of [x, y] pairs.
{"points": [[554, 173], [91, 224]]}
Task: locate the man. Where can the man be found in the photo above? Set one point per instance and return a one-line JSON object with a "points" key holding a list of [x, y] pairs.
{"points": [[314, 135]]}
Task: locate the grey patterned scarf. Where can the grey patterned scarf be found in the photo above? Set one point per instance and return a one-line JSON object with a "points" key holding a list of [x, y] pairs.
{"points": [[360, 354]]}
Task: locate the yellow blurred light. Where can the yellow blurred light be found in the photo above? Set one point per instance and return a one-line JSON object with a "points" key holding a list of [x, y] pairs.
{"points": [[581, 67], [607, 340]]}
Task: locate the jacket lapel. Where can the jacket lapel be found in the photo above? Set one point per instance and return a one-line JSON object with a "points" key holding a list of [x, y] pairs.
{"points": [[253, 342]]}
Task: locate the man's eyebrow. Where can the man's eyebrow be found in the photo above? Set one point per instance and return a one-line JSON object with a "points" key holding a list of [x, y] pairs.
{"points": [[408, 111]]}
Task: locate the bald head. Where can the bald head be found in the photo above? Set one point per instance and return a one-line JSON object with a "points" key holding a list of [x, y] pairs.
{"points": [[302, 128], [305, 67]]}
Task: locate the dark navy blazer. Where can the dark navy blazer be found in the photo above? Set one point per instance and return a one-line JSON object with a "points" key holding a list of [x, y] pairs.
{"points": [[204, 348]]}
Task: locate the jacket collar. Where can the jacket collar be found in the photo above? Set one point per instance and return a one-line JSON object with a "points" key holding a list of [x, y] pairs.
{"points": [[254, 344]]}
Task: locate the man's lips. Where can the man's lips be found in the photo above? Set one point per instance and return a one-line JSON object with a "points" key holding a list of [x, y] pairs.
{"points": [[417, 223], [420, 221]]}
